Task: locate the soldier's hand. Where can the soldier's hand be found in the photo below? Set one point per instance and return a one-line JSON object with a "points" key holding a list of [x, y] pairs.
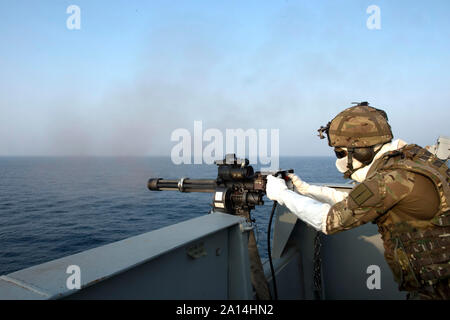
{"points": [[300, 185], [274, 188]]}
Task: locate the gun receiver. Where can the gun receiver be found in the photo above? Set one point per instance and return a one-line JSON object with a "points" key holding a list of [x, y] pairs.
{"points": [[236, 189]]}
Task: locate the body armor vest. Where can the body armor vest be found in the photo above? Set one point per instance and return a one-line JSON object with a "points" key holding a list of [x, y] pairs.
{"points": [[416, 250]]}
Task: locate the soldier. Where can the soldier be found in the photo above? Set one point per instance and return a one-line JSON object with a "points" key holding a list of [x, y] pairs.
{"points": [[402, 188]]}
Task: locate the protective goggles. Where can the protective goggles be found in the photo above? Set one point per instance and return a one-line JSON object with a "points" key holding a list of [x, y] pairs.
{"points": [[363, 155], [340, 153]]}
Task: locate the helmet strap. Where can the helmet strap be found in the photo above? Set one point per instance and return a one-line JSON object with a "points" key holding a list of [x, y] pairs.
{"points": [[350, 153], [350, 170]]}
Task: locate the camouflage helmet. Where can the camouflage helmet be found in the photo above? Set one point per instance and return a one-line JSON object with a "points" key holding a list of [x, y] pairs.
{"points": [[359, 126]]}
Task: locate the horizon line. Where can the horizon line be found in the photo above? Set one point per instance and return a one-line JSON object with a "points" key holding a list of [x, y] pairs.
{"points": [[122, 156]]}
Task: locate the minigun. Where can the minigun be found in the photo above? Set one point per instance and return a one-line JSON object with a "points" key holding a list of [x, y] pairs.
{"points": [[237, 188]]}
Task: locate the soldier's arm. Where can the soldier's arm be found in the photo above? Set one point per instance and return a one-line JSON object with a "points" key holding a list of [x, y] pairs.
{"points": [[325, 194], [319, 193], [369, 200]]}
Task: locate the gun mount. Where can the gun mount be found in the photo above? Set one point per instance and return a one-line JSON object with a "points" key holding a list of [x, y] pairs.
{"points": [[237, 190]]}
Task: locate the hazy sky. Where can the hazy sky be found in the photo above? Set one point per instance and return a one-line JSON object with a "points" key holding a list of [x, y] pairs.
{"points": [[137, 70]]}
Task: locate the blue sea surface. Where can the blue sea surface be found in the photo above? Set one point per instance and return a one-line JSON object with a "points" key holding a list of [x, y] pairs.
{"points": [[51, 207]]}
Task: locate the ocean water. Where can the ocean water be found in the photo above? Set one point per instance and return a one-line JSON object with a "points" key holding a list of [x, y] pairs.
{"points": [[51, 207]]}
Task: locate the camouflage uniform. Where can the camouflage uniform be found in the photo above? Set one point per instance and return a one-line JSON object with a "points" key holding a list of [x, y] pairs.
{"points": [[407, 194]]}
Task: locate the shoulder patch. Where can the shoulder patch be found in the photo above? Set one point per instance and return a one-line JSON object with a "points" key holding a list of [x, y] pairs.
{"points": [[361, 194]]}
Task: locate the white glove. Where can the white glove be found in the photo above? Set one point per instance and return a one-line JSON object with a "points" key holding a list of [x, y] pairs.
{"points": [[322, 194], [300, 185], [275, 188], [309, 210]]}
